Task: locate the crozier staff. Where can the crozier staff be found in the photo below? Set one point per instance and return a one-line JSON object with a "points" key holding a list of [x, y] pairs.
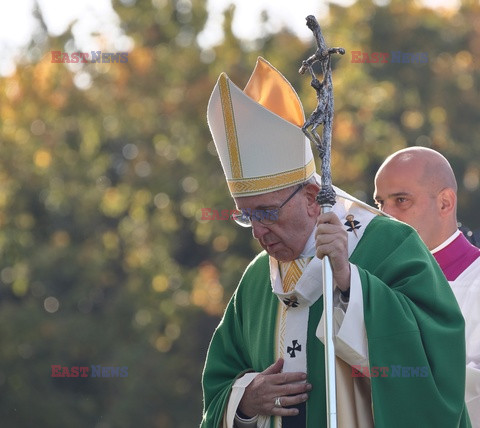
{"points": [[326, 198]]}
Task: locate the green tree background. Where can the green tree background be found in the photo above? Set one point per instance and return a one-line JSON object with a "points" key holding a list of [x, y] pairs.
{"points": [[104, 257]]}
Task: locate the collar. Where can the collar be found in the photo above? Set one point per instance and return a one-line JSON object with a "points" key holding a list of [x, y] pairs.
{"points": [[446, 242], [455, 255], [309, 250]]}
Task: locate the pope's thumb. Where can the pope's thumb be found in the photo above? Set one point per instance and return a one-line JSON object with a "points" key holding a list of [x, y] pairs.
{"points": [[275, 368]]}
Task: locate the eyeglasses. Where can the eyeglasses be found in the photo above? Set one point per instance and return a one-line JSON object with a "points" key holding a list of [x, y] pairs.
{"points": [[266, 216]]}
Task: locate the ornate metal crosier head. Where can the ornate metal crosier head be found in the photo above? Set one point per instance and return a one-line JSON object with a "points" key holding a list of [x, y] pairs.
{"points": [[323, 113]]}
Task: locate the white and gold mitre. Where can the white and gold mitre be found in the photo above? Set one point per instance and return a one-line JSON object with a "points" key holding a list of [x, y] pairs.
{"points": [[257, 133]]}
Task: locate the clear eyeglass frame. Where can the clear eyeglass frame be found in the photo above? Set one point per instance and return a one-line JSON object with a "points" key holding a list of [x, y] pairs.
{"points": [[266, 216]]}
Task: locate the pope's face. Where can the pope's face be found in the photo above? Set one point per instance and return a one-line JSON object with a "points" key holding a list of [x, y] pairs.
{"points": [[286, 238], [403, 193]]}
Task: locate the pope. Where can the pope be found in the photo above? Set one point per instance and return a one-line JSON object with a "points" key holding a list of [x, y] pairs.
{"points": [[393, 306]]}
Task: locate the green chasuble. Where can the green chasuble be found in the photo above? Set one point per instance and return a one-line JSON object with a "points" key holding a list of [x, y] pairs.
{"points": [[413, 323]]}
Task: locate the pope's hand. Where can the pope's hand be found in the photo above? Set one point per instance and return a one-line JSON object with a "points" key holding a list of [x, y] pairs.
{"points": [[331, 240], [260, 396]]}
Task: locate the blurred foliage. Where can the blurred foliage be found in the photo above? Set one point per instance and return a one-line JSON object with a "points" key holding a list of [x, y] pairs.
{"points": [[104, 169]]}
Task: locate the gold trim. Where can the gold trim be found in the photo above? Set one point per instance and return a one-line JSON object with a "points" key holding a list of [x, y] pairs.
{"points": [[291, 273], [230, 128], [281, 180]]}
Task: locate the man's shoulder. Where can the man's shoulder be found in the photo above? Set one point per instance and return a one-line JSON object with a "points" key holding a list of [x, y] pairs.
{"points": [[386, 235], [388, 227], [259, 264], [473, 268], [255, 281], [258, 268], [375, 221], [473, 271], [468, 264]]}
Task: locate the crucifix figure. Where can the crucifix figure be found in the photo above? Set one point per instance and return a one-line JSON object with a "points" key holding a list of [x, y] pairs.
{"points": [[323, 113]]}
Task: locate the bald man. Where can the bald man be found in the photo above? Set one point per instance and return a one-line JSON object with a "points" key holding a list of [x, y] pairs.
{"points": [[417, 186]]}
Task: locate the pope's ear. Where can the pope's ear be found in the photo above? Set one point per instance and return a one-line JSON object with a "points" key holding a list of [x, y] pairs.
{"points": [[447, 200], [311, 191]]}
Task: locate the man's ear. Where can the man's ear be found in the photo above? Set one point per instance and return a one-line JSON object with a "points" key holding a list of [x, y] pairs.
{"points": [[311, 191], [447, 200]]}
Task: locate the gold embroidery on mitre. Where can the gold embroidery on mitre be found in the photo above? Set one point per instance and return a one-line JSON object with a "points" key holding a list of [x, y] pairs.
{"points": [[270, 183], [230, 127]]}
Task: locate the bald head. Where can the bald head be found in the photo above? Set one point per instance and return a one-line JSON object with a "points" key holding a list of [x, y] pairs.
{"points": [[433, 168], [417, 185]]}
